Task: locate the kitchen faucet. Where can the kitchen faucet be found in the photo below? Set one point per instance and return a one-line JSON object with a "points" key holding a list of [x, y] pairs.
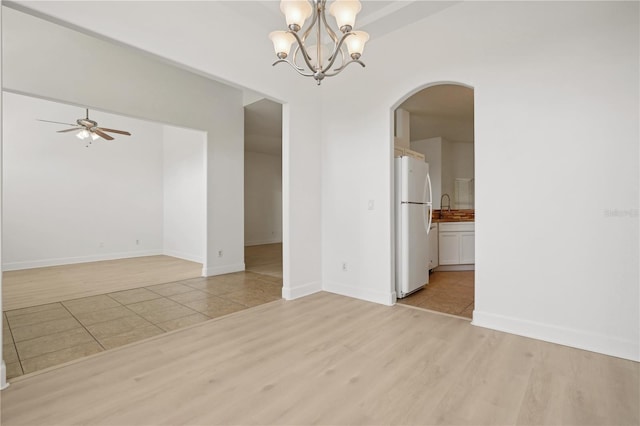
{"points": [[448, 204]]}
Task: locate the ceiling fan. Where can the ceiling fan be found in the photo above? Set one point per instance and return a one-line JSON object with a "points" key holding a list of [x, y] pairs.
{"points": [[89, 128]]}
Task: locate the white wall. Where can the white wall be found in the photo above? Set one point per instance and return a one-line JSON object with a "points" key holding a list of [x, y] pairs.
{"points": [[262, 198], [432, 150], [447, 160], [402, 128], [556, 122], [184, 180], [206, 26], [462, 159], [86, 71], [66, 203]]}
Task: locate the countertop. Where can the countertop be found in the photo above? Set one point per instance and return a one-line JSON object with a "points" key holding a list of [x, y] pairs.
{"points": [[467, 215]]}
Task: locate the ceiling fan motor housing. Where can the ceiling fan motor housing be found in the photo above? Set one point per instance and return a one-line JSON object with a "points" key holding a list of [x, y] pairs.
{"points": [[85, 122]]}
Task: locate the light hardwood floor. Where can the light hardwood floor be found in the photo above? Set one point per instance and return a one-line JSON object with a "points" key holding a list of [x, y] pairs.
{"points": [[38, 286], [328, 359], [264, 259]]}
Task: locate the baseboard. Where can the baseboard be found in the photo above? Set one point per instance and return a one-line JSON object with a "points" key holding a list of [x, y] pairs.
{"points": [[262, 242], [3, 375], [290, 293], [593, 342], [449, 268], [14, 266], [183, 256], [223, 269], [382, 298]]}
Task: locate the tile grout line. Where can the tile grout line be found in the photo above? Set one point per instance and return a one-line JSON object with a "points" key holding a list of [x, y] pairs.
{"points": [[83, 326], [165, 297], [221, 297], [15, 347]]}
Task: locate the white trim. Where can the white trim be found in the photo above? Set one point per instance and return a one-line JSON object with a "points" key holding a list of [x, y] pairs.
{"points": [[3, 375], [14, 266], [183, 256], [290, 293], [580, 339], [223, 269], [465, 267], [262, 242], [380, 297]]}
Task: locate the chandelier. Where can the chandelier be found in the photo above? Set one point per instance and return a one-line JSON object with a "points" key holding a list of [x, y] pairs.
{"points": [[318, 57]]}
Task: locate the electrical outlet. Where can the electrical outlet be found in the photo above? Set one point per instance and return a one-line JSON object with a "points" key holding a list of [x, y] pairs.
{"points": [[101, 244], [344, 266], [219, 253]]}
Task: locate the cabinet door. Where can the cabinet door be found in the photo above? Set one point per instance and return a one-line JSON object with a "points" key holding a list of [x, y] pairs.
{"points": [[467, 247], [448, 248]]}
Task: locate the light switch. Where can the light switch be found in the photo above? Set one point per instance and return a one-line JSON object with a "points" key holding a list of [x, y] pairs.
{"points": [[371, 204]]}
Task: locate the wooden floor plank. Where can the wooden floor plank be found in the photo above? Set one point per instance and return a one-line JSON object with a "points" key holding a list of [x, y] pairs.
{"points": [[38, 286], [329, 359]]}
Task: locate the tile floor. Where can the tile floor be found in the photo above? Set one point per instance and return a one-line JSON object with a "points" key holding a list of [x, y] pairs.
{"points": [[448, 292], [41, 336]]}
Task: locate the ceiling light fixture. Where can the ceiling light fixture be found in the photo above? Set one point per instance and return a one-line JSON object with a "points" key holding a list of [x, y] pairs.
{"points": [[310, 46]]}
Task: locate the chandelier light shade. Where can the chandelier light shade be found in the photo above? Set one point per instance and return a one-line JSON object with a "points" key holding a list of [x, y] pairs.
{"points": [[322, 58], [295, 12], [355, 43], [282, 41], [345, 12]]}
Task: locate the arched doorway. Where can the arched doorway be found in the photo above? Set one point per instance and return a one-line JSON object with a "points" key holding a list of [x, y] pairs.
{"points": [[435, 124]]}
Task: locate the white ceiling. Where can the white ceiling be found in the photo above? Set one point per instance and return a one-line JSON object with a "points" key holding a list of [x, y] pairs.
{"points": [[445, 110], [378, 17], [263, 119]]}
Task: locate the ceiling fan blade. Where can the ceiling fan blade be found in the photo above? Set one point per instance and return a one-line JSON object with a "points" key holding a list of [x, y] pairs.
{"points": [[70, 130], [122, 132], [103, 135], [57, 122]]}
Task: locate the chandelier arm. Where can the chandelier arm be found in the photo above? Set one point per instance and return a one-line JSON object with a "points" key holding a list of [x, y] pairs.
{"points": [[298, 70], [338, 70], [343, 58], [333, 55], [332, 34], [309, 28], [295, 56], [305, 55]]}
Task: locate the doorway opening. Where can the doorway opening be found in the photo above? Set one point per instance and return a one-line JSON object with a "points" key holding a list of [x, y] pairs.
{"points": [[263, 189], [436, 125], [100, 239]]}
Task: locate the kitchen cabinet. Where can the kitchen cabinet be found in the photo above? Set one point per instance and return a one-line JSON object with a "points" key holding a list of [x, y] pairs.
{"points": [[401, 152], [456, 243]]}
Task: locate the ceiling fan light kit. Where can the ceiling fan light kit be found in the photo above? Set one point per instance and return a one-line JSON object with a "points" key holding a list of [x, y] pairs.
{"points": [[89, 129], [349, 44]]}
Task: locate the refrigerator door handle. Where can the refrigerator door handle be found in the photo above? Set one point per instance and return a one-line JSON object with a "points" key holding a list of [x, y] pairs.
{"points": [[428, 205], [430, 202]]}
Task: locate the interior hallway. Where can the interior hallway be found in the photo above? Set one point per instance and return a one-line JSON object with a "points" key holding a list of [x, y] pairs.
{"points": [[42, 335], [264, 259], [448, 292]]}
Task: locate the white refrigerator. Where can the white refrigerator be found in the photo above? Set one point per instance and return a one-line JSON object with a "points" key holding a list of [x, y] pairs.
{"points": [[413, 208]]}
